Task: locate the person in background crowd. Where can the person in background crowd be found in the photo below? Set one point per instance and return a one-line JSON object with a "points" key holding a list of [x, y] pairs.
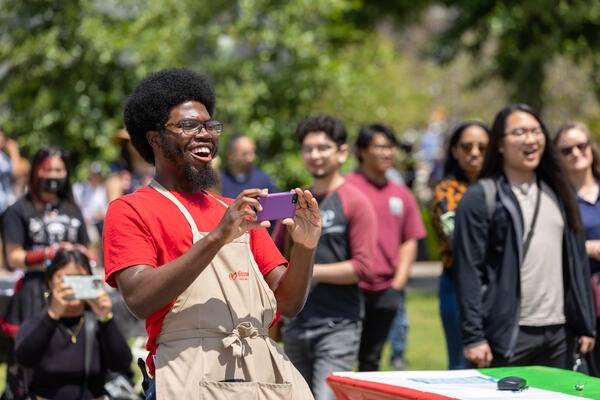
{"points": [[34, 228], [464, 158], [520, 269], [198, 267], [399, 226], [90, 196], [240, 172], [53, 342], [581, 159], [324, 337], [9, 167], [129, 172]]}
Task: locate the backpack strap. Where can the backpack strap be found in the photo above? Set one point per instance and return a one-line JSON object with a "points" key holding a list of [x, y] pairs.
{"points": [[489, 190]]}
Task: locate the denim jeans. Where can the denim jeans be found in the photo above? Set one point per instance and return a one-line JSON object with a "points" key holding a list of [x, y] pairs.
{"points": [[399, 332], [451, 322], [319, 350]]}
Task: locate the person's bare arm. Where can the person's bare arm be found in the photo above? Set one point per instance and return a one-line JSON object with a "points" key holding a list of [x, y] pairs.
{"points": [[339, 273], [407, 254], [18, 257], [12, 149], [592, 248]]}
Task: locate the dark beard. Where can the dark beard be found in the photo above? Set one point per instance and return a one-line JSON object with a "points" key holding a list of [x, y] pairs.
{"points": [[205, 178]]}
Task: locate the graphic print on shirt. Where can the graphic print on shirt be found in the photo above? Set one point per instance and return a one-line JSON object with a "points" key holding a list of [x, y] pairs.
{"points": [[396, 205], [53, 227]]}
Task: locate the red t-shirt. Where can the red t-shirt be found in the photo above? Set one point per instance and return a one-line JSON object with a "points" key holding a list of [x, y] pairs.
{"points": [[147, 228], [398, 220]]}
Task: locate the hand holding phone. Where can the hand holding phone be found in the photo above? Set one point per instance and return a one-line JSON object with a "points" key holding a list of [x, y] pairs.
{"points": [[85, 286], [277, 206]]}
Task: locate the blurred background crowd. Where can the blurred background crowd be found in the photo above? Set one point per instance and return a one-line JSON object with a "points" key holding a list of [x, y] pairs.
{"points": [[420, 67]]}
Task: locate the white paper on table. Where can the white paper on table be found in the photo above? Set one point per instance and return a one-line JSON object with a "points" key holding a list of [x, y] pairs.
{"points": [[466, 384]]}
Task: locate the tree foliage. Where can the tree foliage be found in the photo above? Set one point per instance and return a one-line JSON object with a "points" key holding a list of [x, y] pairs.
{"points": [[66, 67], [517, 40]]}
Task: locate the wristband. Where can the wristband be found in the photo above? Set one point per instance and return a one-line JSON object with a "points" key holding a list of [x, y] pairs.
{"points": [[35, 257], [41, 256], [107, 317]]}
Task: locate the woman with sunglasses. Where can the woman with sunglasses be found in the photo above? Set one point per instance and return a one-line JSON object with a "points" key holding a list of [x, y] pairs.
{"points": [[581, 159], [464, 159]]}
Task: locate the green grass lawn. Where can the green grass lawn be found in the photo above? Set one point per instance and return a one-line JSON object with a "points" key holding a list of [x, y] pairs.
{"points": [[426, 348]]}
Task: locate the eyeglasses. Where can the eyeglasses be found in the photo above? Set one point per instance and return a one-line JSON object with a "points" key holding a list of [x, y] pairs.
{"points": [[321, 148], [568, 150], [380, 148], [467, 147], [522, 132], [192, 126]]}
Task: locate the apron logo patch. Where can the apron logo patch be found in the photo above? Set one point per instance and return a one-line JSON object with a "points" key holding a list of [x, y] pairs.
{"points": [[240, 275]]}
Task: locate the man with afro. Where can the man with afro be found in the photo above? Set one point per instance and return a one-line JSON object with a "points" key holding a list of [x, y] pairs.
{"points": [[198, 267]]}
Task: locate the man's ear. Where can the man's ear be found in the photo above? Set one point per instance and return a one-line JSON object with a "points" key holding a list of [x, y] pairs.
{"points": [[152, 138], [343, 152]]}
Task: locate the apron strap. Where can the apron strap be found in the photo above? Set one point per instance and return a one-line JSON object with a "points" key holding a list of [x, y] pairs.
{"points": [[161, 189]]}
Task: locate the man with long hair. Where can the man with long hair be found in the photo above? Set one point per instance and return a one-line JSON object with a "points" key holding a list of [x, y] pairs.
{"points": [[520, 270]]}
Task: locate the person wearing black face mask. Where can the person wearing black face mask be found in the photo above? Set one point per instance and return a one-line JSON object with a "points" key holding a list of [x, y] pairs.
{"points": [[52, 185], [44, 220]]}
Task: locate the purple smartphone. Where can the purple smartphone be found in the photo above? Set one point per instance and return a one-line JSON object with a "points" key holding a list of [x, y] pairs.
{"points": [[277, 206]]}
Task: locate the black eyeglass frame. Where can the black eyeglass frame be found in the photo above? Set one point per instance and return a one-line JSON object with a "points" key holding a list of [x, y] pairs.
{"points": [[210, 126]]}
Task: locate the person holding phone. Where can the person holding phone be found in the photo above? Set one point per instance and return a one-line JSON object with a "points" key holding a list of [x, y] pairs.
{"points": [[197, 266], [324, 337], [53, 343]]}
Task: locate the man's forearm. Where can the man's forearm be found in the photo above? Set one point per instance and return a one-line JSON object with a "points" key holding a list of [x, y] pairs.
{"points": [[340, 273], [293, 287], [146, 289], [406, 258]]}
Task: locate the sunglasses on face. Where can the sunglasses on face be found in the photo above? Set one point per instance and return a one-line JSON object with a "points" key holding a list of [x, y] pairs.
{"points": [[567, 150], [467, 147]]}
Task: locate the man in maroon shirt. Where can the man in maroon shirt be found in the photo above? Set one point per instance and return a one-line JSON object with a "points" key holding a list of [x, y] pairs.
{"points": [[400, 227]]}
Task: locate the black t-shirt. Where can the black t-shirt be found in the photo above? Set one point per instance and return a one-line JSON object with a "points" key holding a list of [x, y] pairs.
{"points": [[33, 229], [339, 211]]}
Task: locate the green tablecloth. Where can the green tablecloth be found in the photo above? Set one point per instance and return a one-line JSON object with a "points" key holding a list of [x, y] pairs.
{"points": [[554, 379]]}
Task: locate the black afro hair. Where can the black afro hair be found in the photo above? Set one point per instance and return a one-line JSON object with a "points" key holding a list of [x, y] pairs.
{"points": [[148, 106]]}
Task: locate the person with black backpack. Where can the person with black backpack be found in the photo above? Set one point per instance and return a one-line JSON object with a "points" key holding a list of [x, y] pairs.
{"points": [[521, 272]]}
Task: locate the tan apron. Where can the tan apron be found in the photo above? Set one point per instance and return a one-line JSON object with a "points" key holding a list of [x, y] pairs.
{"points": [[214, 342]]}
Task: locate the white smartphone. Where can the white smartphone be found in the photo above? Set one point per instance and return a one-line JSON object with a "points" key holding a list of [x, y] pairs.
{"points": [[85, 286]]}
